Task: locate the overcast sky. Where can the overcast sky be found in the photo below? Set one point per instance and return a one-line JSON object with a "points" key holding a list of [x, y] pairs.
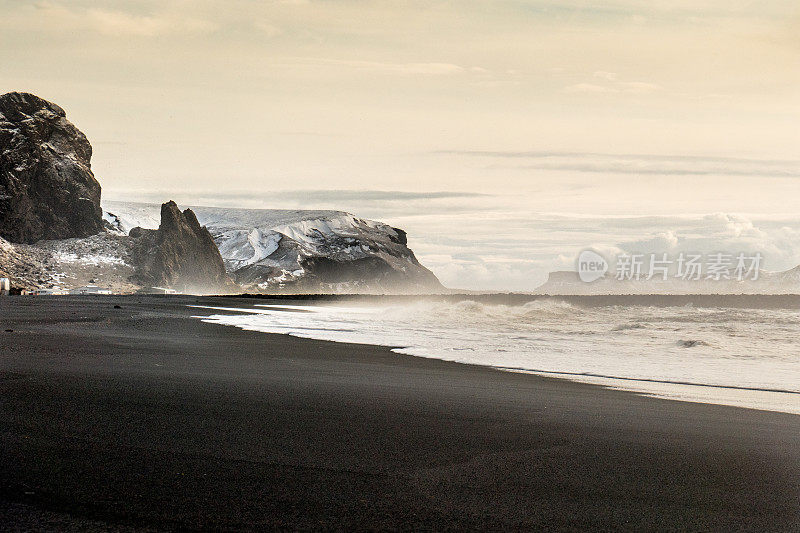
{"points": [[503, 134]]}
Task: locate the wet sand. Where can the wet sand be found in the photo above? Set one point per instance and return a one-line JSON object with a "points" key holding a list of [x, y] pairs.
{"points": [[142, 417]]}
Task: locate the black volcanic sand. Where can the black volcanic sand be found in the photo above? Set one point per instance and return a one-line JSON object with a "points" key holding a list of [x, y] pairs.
{"points": [[144, 418]]}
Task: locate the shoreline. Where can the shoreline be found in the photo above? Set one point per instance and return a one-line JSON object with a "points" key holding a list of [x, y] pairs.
{"points": [[759, 397], [604, 381], [144, 417]]}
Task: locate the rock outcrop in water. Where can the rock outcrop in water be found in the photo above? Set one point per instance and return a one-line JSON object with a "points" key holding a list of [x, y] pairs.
{"points": [[47, 189], [180, 254]]}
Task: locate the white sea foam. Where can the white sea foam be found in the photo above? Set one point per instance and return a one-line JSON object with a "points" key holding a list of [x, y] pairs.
{"points": [[744, 357]]}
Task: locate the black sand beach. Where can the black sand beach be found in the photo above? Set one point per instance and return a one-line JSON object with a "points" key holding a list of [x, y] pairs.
{"points": [[141, 417]]}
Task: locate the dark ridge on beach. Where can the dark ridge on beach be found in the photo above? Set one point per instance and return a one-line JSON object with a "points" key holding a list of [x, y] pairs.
{"points": [[125, 413]]}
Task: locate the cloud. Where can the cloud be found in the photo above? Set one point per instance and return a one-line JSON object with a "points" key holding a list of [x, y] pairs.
{"points": [[331, 195], [609, 76], [407, 69], [496, 257], [270, 30], [589, 88], [120, 23], [375, 204], [612, 84], [638, 87], [393, 196], [644, 164], [663, 242]]}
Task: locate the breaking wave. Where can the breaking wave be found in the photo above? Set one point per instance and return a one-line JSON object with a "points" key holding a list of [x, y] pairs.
{"points": [[625, 327], [470, 311], [692, 343]]}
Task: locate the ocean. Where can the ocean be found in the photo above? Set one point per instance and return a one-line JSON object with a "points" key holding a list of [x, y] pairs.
{"points": [[689, 349]]}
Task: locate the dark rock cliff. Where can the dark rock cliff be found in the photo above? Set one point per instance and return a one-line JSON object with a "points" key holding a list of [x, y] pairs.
{"points": [[180, 254], [47, 189], [372, 273]]}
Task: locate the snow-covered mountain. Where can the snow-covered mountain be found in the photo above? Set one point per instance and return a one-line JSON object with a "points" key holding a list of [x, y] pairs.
{"points": [[298, 250]]}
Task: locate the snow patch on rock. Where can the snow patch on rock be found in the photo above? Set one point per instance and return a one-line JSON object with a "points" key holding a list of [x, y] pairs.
{"points": [[88, 259]]}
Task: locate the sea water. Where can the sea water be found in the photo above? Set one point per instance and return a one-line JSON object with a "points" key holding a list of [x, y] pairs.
{"points": [[730, 356]]}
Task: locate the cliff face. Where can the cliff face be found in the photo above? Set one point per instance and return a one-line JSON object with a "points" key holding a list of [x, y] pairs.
{"points": [[47, 189], [315, 251], [180, 254], [275, 250]]}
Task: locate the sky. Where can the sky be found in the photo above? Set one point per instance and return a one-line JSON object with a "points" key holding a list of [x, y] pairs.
{"points": [[503, 135]]}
